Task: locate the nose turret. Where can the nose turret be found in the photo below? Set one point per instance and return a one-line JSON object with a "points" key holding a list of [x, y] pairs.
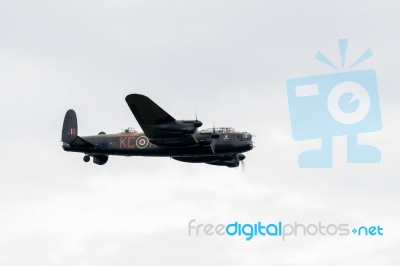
{"points": [[246, 135], [247, 139]]}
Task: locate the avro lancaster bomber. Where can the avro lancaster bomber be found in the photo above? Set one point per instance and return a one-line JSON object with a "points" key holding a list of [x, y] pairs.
{"points": [[162, 136]]}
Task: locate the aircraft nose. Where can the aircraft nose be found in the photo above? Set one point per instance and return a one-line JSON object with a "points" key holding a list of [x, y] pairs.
{"points": [[251, 142], [247, 140]]}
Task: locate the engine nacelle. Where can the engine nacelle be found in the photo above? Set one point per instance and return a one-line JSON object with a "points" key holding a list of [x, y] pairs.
{"points": [[184, 126], [234, 161], [228, 163], [100, 159]]}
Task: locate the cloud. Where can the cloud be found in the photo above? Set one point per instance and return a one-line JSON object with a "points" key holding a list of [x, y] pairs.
{"points": [[227, 61]]}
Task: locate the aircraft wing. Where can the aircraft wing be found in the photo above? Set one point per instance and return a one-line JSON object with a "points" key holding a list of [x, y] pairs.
{"points": [[230, 160], [149, 115]]}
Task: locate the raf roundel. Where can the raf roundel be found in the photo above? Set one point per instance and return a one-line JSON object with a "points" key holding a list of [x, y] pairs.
{"points": [[142, 142]]}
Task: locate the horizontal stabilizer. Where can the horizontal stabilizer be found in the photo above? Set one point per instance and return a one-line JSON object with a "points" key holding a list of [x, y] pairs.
{"points": [[81, 142]]}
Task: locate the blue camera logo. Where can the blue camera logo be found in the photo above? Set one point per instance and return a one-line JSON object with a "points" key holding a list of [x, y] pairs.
{"points": [[344, 103]]}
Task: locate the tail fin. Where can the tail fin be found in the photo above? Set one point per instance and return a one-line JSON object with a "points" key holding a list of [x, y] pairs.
{"points": [[70, 127]]}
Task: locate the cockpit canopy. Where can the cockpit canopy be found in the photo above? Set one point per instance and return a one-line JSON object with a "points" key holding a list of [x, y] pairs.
{"points": [[130, 130], [219, 130], [246, 135]]}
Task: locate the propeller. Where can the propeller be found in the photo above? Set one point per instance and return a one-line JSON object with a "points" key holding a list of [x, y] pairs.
{"points": [[196, 125], [214, 137], [212, 145], [240, 157]]}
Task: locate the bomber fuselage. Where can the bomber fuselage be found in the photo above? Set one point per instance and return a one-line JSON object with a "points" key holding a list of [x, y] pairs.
{"points": [[137, 144]]}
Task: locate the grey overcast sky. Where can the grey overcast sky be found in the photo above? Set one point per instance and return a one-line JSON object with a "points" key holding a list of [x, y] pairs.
{"points": [[229, 62]]}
